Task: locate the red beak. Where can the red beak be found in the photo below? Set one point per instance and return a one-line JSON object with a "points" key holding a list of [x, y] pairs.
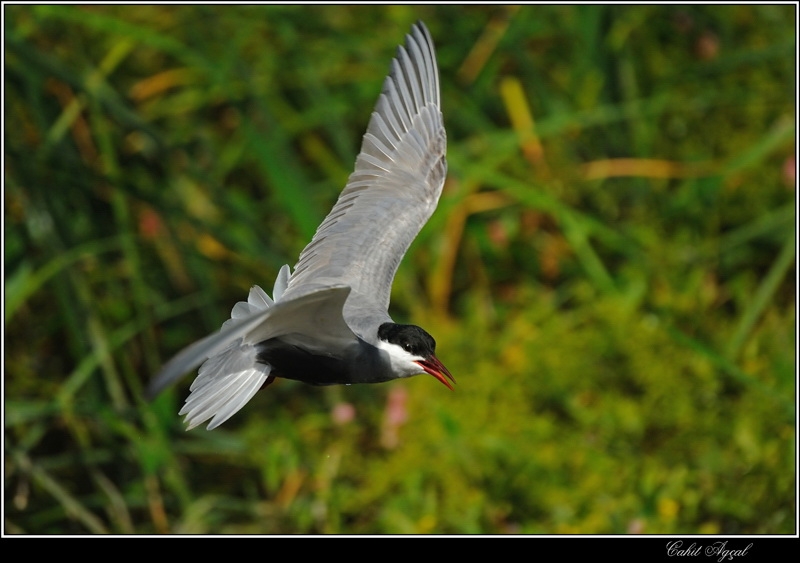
{"points": [[433, 366]]}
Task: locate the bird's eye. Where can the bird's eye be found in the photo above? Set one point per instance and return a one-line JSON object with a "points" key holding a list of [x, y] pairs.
{"points": [[407, 347]]}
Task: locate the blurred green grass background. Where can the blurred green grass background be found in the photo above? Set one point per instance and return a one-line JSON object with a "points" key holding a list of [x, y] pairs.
{"points": [[610, 274]]}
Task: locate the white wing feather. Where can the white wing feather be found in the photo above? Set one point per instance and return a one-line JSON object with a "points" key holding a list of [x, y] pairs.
{"points": [[393, 191], [230, 374], [225, 383]]}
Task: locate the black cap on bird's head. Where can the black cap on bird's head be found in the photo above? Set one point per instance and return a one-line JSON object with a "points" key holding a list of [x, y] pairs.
{"points": [[419, 344]]}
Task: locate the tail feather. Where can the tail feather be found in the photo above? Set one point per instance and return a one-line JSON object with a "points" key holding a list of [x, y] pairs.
{"points": [[230, 375]]}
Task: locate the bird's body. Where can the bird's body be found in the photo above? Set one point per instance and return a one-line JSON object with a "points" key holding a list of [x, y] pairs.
{"points": [[327, 321]]}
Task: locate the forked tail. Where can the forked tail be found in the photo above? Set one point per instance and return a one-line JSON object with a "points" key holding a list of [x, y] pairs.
{"points": [[230, 374]]}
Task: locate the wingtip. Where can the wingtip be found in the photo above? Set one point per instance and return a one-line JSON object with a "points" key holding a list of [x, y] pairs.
{"points": [[421, 25], [420, 28]]}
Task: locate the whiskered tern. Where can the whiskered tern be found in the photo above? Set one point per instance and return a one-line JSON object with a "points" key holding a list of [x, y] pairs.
{"points": [[327, 321]]}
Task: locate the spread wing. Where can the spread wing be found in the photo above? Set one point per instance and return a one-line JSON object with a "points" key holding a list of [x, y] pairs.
{"points": [[394, 189]]}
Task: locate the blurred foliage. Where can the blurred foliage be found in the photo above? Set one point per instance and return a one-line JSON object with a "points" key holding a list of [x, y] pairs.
{"points": [[610, 274]]}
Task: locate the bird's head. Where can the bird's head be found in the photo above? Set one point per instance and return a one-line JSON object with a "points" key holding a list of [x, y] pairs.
{"points": [[411, 351]]}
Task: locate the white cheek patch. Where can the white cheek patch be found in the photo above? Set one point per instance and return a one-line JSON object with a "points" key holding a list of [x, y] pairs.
{"points": [[404, 364]]}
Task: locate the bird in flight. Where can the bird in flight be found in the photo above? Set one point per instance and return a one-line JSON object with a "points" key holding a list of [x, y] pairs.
{"points": [[327, 321]]}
